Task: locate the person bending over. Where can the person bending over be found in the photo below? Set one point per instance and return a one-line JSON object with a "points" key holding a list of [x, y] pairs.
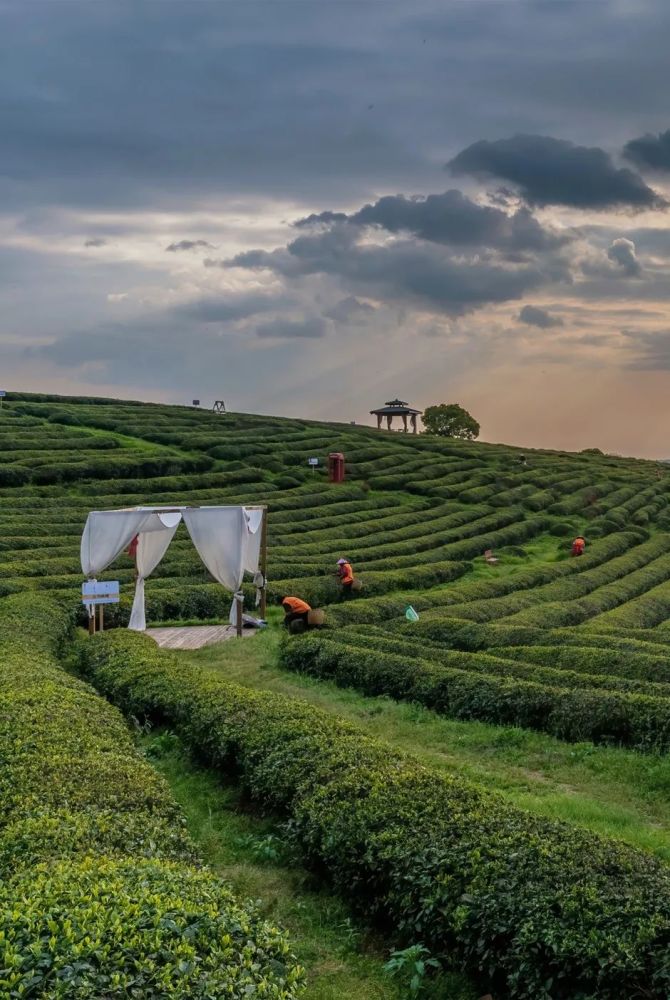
{"points": [[295, 610]]}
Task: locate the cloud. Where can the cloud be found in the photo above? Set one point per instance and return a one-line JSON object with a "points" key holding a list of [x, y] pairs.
{"points": [[450, 218], [310, 327], [650, 151], [619, 260], [350, 310], [622, 252], [95, 243], [651, 351], [188, 245], [551, 171], [321, 218], [535, 316], [405, 271], [227, 308]]}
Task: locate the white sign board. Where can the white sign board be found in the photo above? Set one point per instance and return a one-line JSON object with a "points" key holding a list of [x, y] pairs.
{"points": [[312, 461], [100, 592], [2, 392]]}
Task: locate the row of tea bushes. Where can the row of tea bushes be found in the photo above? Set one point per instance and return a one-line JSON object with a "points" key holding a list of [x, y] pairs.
{"points": [[326, 589], [536, 908], [645, 666], [490, 689], [525, 580], [574, 600], [512, 663], [99, 892]]}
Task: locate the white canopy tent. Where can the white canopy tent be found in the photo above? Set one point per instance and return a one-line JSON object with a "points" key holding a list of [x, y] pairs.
{"points": [[228, 540]]}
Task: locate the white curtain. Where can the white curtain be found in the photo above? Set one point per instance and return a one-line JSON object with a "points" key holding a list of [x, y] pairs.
{"points": [[253, 540], [106, 534], [151, 547], [220, 537]]}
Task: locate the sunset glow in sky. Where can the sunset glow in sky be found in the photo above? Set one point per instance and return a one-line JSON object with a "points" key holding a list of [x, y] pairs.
{"points": [[309, 208]]}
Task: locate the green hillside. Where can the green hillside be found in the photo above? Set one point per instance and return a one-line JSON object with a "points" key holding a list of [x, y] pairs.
{"points": [[573, 649]]}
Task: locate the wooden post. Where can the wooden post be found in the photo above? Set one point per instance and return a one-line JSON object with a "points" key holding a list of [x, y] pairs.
{"points": [[102, 618], [91, 622], [239, 603], [264, 563]]}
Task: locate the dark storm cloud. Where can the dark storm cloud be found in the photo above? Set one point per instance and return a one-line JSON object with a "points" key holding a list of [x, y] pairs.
{"points": [[143, 104], [650, 151], [551, 171], [450, 218], [314, 326], [188, 245], [95, 243], [414, 273], [535, 316]]}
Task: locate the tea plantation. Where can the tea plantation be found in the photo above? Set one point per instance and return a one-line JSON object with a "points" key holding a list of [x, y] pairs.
{"points": [[104, 893]]}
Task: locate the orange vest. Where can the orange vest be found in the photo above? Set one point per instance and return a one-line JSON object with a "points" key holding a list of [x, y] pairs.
{"points": [[346, 573], [295, 605]]}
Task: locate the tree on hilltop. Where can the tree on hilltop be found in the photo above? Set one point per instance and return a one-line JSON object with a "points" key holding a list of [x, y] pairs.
{"points": [[450, 420]]}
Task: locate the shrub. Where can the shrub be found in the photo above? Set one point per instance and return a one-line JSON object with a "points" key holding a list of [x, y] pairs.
{"points": [[122, 928]]}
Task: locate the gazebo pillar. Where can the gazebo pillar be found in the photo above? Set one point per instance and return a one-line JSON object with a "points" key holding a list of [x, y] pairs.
{"points": [[389, 418], [414, 423], [404, 421], [379, 421]]}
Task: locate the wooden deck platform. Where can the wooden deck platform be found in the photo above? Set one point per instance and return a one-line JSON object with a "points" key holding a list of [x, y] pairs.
{"points": [[194, 636]]}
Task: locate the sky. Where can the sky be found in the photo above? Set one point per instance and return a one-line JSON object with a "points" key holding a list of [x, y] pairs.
{"points": [[309, 208]]}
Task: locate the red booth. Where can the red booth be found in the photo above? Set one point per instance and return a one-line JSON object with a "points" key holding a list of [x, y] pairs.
{"points": [[336, 467]]}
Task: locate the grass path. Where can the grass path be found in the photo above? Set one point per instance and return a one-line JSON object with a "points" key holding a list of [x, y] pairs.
{"points": [[248, 850], [615, 792]]}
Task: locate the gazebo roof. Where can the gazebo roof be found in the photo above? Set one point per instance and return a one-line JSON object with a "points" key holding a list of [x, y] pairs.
{"points": [[395, 406]]}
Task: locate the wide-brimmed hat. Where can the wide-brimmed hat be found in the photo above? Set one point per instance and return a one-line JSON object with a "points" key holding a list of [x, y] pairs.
{"points": [[340, 561]]}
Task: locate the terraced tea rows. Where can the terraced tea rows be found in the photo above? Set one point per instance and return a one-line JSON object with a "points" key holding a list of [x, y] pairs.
{"points": [[415, 516], [576, 647]]}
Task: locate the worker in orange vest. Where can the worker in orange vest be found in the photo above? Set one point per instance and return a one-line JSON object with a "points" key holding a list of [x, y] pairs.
{"points": [[295, 610], [578, 546], [346, 574]]}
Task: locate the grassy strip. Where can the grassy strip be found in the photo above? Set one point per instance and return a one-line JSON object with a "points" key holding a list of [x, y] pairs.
{"points": [[541, 909], [100, 896], [253, 854]]}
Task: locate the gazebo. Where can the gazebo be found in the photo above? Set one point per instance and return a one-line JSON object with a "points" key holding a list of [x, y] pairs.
{"points": [[229, 540], [396, 408]]}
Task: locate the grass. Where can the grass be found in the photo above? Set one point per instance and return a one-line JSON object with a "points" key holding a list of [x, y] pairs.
{"points": [[341, 958], [611, 791]]}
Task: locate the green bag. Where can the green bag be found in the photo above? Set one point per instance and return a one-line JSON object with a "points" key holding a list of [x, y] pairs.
{"points": [[410, 614]]}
